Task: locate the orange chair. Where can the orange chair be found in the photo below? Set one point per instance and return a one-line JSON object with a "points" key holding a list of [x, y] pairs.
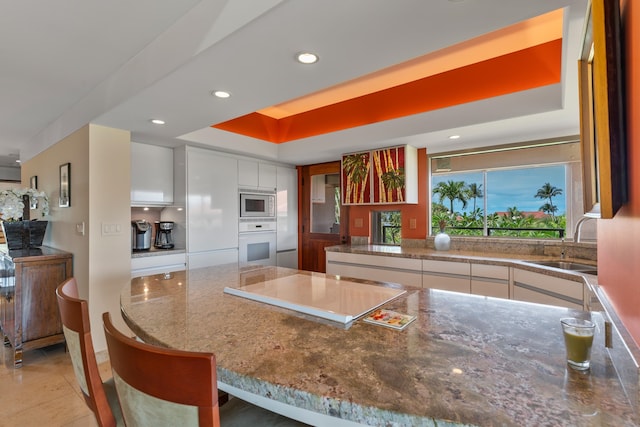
{"points": [[166, 387], [101, 397]]}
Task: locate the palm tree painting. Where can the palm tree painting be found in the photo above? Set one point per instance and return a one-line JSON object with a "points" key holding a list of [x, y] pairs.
{"points": [[389, 177], [355, 178]]}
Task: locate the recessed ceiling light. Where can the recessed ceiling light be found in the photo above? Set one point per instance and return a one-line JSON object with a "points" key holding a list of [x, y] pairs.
{"points": [[454, 137], [220, 93], [157, 121], [307, 58]]}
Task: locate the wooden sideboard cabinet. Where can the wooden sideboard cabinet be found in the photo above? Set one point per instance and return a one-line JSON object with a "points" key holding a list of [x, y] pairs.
{"points": [[29, 314]]}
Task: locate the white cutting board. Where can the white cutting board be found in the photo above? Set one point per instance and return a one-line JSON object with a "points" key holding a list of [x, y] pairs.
{"points": [[337, 300]]}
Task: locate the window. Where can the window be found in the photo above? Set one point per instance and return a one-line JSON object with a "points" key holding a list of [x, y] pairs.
{"points": [[325, 203], [387, 226], [516, 191]]}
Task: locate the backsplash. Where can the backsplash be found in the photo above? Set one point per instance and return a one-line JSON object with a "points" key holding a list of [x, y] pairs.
{"points": [[554, 248]]}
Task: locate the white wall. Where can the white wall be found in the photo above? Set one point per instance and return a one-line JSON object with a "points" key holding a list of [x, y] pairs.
{"points": [[100, 194]]}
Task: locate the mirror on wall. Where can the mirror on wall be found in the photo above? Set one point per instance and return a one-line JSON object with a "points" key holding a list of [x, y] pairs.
{"points": [[602, 111]]}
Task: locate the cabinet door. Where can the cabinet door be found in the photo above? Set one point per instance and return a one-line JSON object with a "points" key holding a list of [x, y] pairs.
{"points": [[287, 209], [212, 258], [247, 173], [39, 306], [405, 271], [446, 275], [544, 289], [151, 174], [212, 201], [490, 280], [267, 176], [253, 174]]}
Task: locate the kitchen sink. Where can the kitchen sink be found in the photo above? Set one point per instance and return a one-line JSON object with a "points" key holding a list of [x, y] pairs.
{"points": [[568, 265]]}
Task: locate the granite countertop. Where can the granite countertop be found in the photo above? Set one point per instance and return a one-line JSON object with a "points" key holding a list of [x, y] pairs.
{"points": [[465, 360]]}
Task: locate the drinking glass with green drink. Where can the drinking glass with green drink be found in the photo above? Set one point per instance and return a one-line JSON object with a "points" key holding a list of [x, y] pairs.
{"points": [[578, 339]]}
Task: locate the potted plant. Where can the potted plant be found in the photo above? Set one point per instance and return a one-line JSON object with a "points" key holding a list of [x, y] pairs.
{"points": [[15, 212]]}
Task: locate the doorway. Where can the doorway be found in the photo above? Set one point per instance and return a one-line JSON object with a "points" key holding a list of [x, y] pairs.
{"points": [[323, 219]]}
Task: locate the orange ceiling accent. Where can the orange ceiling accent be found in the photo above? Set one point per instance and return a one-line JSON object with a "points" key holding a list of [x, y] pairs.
{"points": [[481, 68]]}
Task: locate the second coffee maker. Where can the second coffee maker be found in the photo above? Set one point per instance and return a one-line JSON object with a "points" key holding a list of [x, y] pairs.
{"points": [[164, 240]]}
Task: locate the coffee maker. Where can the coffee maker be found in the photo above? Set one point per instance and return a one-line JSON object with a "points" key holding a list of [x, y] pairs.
{"points": [[140, 235], [163, 235]]}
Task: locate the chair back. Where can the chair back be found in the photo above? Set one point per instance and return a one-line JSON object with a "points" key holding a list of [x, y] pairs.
{"points": [[159, 386], [74, 314]]}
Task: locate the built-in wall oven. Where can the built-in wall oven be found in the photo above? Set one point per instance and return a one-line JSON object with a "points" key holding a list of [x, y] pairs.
{"points": [[257, 241]]}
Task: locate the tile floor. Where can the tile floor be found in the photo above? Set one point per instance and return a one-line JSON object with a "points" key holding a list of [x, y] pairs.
{"points": [[44, 392]]}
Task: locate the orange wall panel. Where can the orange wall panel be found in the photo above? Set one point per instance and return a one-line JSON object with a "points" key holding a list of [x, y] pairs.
{"points": [[619, 238]]}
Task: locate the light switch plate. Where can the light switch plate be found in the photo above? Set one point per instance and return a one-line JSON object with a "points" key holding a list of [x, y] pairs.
{"points": [[111, 229]]}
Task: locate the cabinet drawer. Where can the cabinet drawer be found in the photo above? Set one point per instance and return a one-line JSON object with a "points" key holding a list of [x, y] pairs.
{"points": [[497, 289], [490, 280], [549, 284], [486, 271], [449, 267], [375, 260], [156, 261], [405, 271], [380, 274], [455, 283], [529, 295], [540, 288]]}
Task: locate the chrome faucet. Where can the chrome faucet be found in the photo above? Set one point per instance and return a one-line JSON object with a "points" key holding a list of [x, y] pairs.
{"points": [[576, 235]]}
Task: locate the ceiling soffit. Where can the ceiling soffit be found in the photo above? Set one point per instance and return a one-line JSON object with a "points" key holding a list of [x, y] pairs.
{"points": [[488, 66]]}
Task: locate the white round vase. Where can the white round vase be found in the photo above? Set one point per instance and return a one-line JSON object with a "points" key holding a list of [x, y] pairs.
{"points": [[442, 242]]}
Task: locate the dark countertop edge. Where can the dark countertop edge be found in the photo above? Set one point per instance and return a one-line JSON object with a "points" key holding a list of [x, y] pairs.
{"points": [[41, 253]]}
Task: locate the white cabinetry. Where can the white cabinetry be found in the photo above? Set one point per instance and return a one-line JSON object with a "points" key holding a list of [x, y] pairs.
{"points": [[287, 217], [212, 208], [157, 264], [151, 175], [544, 289], [490, 280], [405, 271], [252, 173], [446, 275]]}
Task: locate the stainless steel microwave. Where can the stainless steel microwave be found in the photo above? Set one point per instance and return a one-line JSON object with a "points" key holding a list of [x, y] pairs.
{"points": [[257, 205]]}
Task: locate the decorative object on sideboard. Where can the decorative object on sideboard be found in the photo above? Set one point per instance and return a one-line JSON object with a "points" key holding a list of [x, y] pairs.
{"points": [[15, 209], [442, 240], [65, 185]]}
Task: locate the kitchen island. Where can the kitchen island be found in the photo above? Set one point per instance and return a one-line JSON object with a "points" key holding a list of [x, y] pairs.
{"points": [[465, 360]]}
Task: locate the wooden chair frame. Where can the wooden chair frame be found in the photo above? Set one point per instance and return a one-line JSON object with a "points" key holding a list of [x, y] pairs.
{"points": [[74, 313], [192, 380]]}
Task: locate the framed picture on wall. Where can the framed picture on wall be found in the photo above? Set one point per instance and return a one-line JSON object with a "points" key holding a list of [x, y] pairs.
{"points": [[65, 185], [33, 183], [602, 111]]}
